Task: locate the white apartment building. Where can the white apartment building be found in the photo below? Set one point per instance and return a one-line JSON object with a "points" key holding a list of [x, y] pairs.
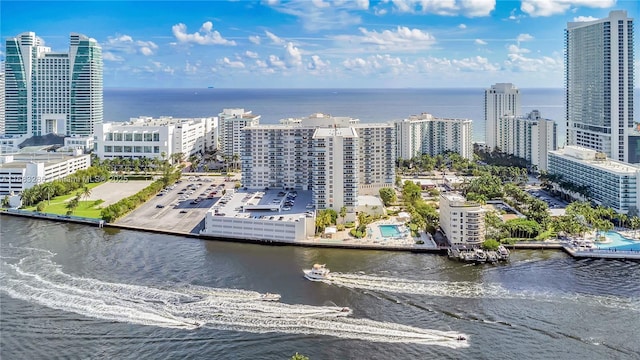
{"points": [[599, 79], [335, 168], [84, 143], [232, 121], [2, 102], [461, 221], [611, 183], [502, 99], [149, 137], [299, 154], [529, 137], [427, 134], [20, 171], [50, 92]]}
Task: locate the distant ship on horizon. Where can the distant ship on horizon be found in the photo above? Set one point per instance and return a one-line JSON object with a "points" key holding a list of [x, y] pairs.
{"points": [[210, 87]]}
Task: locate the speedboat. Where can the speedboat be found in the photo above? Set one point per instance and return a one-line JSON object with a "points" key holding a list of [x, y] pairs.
{"points": [[319, 272], [461, 338], [345, 311], [269, 297]]}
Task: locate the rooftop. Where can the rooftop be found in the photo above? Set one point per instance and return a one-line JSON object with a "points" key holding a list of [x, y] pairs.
{"points": [[20, 160], [265, 204], [594, 159]]}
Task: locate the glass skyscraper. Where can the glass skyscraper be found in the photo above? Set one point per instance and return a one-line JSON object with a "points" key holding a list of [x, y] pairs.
{"points": [[49, 92], [599, 84]]}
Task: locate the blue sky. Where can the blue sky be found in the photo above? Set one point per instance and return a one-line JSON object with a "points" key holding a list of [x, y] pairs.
{"points": [[319, 43]]}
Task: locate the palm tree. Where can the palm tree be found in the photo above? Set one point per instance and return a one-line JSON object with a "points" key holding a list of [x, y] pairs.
{"points": [[635, 224], [48, 190], [86, 192]]}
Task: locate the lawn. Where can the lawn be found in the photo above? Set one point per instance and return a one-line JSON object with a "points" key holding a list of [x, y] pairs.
{"points": [[89, 209]]}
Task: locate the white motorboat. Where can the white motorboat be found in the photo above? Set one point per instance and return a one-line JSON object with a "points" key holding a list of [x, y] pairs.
{"points": [[269, 297], [319, 272]]}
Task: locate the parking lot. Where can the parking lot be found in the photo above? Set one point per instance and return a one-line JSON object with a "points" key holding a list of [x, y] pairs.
{"points": [[180, 208], [556, 206]]}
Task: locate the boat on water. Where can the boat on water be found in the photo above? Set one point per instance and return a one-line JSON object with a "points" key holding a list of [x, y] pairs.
{"points": [[269, 297], [318, 272]]}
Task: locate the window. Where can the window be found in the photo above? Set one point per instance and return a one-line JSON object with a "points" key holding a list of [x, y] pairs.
{"points": [[148, 137], [156, 137], [128, 137]]}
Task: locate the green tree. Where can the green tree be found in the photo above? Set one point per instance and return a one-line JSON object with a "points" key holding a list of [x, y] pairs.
{"points": [[411, 192], [86, 192], [388, 196], [343, 212], [5, 201], [490, 244]]}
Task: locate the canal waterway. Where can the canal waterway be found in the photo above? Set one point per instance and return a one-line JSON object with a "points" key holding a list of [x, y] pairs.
{"points": [[74, 291]]}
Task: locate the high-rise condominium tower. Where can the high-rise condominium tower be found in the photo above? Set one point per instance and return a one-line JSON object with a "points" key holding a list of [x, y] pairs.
{"points": [[49, 92], [599, 84], [502, 99]]}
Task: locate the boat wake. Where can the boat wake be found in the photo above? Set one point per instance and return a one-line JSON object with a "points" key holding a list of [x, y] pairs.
{"points": [[31, 275], [467, 289]]}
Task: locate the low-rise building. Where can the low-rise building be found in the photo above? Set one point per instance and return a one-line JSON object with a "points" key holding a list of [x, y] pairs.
{"points": [[461, 221], [84, 143], [261, 215], [610, 183], [153, 138], [21, 171]]}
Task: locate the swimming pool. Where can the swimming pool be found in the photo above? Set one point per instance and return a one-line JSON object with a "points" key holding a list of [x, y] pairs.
{"points": [[619, 242], [389, 230]]}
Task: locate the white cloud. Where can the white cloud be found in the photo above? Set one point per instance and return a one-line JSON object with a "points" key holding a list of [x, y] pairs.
{"points": [[515, 49], [316, 64], [469, 8], [205, 36], [232, 64], [109, 56], [524, 37], [514, 17], [479, 42], [126, 44], [552, 7], [292, 55], [320, 3], [378, 64], [274, 39], [545, 64], [255, 39], [462, 26], [475, 64], [323, 15], [251, 54], [276, 62], [362, 4], [189, 68], [584, 18], [402, 38]]}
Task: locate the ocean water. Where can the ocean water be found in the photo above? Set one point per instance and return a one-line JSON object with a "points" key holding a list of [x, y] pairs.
{"points": [[368, 105]]}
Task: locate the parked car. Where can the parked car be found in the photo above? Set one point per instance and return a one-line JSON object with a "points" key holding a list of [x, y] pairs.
{"points": [[159, 206]]}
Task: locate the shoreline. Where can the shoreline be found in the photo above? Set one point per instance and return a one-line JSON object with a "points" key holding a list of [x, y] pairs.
{"points": [[575, 253]]}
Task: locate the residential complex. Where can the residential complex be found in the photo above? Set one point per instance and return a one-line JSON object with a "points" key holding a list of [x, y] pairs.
{"points": [[427, 134], [232, 121], [611, 183], [337, 157], [502, 99], [2, 102], [599, 84], [529, 137], [154, 138], [22, 171], [51, 92], [461, 221]]}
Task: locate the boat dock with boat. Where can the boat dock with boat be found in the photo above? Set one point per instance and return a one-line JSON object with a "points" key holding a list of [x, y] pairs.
{"points": [[478, 255]]}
